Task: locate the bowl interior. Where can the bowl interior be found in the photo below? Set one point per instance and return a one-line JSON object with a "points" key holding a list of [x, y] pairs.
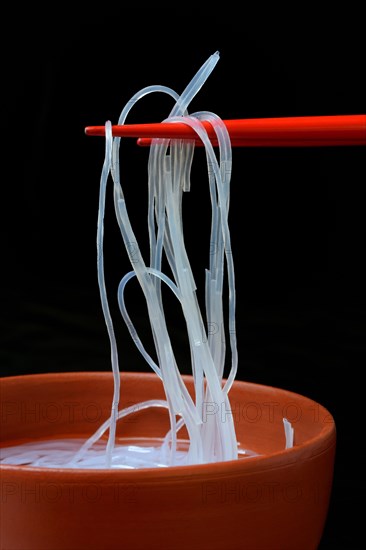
{"points": [[76, 404]]}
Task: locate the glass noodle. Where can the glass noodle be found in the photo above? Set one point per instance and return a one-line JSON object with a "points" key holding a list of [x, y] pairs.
{"points": [[169, 168]]}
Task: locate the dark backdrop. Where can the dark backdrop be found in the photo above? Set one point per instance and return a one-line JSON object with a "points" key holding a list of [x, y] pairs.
{"points": [[297, 216]]}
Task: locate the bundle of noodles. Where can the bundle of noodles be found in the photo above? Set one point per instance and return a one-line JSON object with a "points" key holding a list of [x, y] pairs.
{"points": [[169, 168]]}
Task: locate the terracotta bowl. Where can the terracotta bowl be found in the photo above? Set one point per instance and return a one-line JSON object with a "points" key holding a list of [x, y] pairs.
{"points": [[277, 500]]}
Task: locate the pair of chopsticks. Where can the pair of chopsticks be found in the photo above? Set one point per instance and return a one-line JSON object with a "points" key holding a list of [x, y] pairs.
{"points": [[308, 131]]}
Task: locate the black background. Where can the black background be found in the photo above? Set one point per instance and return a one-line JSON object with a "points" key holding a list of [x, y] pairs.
{"points": [[296, 217]]}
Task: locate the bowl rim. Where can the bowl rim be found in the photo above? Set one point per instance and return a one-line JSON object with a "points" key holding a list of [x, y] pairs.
{"points": [[312, 447]]}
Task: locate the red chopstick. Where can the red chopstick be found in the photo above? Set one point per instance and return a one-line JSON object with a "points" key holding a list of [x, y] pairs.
{"points": [[311, 131]]}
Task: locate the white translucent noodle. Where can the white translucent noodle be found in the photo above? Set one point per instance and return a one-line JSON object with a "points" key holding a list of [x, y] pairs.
{"points": [[211, 438], [289, 433]]}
